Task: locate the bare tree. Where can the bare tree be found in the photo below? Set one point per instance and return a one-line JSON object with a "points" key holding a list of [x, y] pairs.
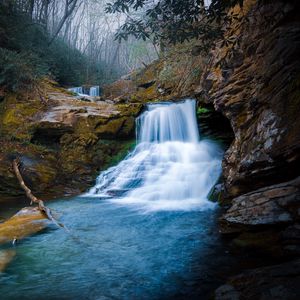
{"points": [[69, 8]]}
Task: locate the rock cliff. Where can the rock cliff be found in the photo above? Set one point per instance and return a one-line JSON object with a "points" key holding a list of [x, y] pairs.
{"points": [[255, 83], [254, 80]]}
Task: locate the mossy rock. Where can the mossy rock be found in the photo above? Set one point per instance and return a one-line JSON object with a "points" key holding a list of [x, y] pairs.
{"points": [[131, 110], [17, 117], [116, 128]]}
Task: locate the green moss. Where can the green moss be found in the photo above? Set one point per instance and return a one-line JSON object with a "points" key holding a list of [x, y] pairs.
{"points": [[46, 174], [144, 95], [16, 117], [110, 129], [131, 110], [125, 148], [202, 110]]}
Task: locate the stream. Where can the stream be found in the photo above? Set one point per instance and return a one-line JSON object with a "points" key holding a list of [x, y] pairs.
{"points": [[146, 230]]}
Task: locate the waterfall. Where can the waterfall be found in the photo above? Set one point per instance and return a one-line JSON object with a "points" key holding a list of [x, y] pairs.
{"points": [[168, 122], [94, 91], [169, 169], [77, 90]]}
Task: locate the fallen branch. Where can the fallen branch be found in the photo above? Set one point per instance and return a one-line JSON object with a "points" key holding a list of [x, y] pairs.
{"points": [[41, 206]]}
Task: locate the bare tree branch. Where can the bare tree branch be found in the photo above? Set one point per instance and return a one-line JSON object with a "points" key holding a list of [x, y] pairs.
{"points": [[44, 209]]}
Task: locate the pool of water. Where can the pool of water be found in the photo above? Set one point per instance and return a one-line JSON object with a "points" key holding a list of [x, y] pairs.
{"points": [[114, 252]]}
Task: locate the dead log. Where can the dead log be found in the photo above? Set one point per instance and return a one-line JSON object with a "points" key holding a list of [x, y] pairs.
{"points": [[41, 206]]}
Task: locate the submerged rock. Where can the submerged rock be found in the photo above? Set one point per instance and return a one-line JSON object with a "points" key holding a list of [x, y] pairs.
{"points": [[6, 256], [26, 222]]}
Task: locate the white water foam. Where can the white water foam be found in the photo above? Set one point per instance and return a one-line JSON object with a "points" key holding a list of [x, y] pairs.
{"points": [[94, 91], [169, 169], [78, 90]]}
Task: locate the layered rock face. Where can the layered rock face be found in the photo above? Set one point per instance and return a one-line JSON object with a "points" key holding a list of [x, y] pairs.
{"points": [[62, 142], [254, 81]]}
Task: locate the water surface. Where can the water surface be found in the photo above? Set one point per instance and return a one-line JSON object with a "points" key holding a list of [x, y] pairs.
{"points": [[114, 252]]}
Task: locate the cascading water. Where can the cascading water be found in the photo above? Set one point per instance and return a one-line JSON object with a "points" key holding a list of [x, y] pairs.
{"points": [[94, 91], [77, 90], [169, 169]]}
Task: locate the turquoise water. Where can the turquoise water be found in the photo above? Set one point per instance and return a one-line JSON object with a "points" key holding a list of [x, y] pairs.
{"points": [[114, 252]]}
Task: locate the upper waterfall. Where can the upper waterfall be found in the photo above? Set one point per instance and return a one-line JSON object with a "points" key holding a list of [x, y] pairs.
{"points": [[169, 169], [93, 91]]}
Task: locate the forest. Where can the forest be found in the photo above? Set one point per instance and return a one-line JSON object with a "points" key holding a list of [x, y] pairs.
{"points": [[149, 149], [73, 41]]}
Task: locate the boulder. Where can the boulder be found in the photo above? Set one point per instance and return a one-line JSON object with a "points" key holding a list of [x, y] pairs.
{"points": [[272, 205], [26, 222], [278, 282]]}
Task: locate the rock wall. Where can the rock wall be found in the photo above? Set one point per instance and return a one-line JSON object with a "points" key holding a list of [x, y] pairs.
{"points": [[255, 83], [253, 78]]}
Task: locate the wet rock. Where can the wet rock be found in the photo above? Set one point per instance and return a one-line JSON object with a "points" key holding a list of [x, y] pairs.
{"points": [[271, 205], [227, 292], [121, 127], [275, 282], [263, 242], [216, 194], [255, 84], [266, 220], [26, 222], [48, 133], [290, 238]]}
